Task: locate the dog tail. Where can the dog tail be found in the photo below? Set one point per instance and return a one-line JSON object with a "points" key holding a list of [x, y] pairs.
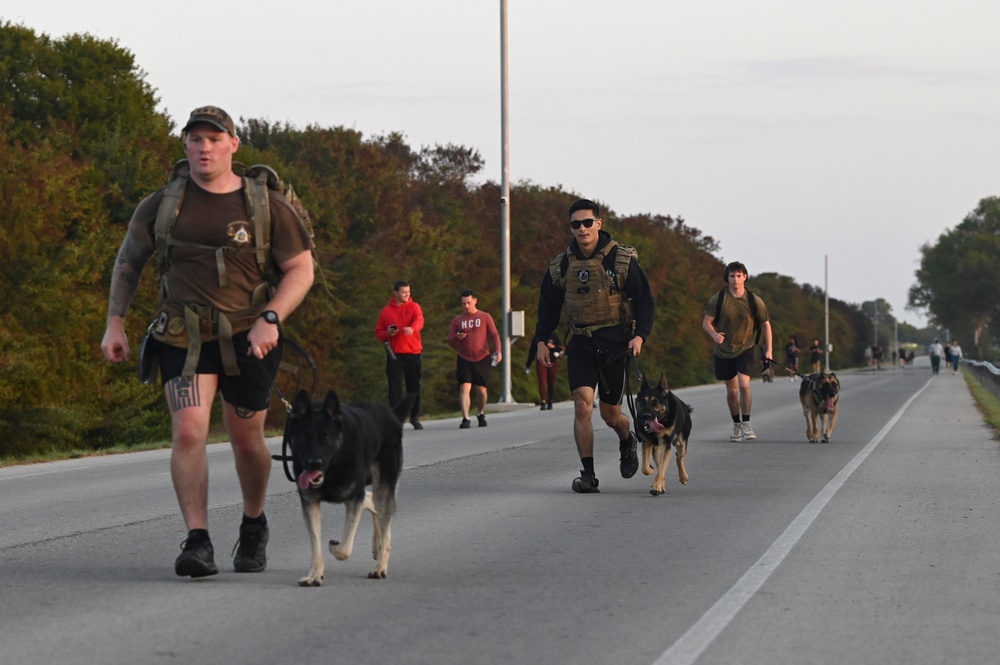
{"points": [[401, 409]]}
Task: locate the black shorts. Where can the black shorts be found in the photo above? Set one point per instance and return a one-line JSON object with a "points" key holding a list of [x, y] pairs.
{"points": [[477, 373], [727, 368], [250, 390], [598, 363]]}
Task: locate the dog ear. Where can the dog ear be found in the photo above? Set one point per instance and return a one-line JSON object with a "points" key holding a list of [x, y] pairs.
{"points": [[332, 405], [663, 382], [302, 403]]}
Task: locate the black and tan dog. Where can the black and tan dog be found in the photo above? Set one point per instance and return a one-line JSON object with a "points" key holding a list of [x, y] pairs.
{"points": [[337, 450], [820, 398], [663, 420]]}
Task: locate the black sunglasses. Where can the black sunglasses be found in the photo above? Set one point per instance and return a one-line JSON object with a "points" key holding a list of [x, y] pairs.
{"points": [[587, 223]]}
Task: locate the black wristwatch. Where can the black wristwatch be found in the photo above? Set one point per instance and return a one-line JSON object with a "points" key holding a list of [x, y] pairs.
{"points": [[271, 316]]}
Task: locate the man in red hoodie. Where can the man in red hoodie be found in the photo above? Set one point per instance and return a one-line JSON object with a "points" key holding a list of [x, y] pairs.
{"points": [[399, 327]]}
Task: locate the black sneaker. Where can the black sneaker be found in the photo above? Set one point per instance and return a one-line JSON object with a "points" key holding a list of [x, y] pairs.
{"points": [[416, 423], [482, 419], [197, 558], [250, 549], [466, 424], [630, 458], [586, 484]]}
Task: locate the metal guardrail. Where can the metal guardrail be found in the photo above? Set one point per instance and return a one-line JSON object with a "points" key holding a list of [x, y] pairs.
{"points": [[987, 374]]}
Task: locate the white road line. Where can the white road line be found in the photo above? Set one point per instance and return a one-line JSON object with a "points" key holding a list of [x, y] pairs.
{"points": [[690, 646]]}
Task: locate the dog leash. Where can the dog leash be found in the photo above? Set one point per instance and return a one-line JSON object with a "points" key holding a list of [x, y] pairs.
{"points": [[772, 361], [630, 400], [295, 370], [284, 457]]}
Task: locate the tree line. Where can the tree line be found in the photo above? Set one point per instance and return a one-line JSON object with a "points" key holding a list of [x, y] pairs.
{"points": [[955, 281], [81, 143]]}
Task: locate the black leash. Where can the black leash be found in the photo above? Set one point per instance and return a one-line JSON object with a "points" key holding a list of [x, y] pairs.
{"points": [[296, 371], [771, 361], [630, 400]]}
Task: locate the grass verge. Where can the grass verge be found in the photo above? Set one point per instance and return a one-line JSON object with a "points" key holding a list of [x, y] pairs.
{"points": [[987, 403]]}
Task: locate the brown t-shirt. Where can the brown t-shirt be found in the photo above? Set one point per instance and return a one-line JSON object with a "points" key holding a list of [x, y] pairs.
{"points": [[736, 321], [218, 220]]}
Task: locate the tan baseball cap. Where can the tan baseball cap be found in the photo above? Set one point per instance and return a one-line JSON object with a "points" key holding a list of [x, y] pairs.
{"points": [[214, 116]]}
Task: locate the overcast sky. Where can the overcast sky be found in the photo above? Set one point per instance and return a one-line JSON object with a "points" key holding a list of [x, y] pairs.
{"points": [[856, 130]]}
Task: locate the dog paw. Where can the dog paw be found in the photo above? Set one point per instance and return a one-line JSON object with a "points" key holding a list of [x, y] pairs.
{"points": [[377, 574], [311, 580], [647, 470], [684, 479], [656, 492], [826, 439]]}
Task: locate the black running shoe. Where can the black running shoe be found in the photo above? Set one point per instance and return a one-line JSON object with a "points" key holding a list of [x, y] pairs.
{"points": [[416, 423], [630, 458], [482, 419], [465, 424], [197, 558], [250, 549], [586, 484]]}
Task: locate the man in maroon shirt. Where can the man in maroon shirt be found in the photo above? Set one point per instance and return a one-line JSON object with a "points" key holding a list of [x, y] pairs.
{"points": [[468, 335]]}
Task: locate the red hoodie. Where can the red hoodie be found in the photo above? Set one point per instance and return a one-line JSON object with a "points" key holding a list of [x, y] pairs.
{"points": [[407, 315]]}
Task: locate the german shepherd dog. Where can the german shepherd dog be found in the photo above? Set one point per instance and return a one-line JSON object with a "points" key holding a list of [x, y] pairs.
{"points": [[662, 420], [337, 450], [820, 398]]}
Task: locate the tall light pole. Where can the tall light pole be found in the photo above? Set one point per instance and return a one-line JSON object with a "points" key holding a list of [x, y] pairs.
{"points": [[826, 309], [505, 208]]}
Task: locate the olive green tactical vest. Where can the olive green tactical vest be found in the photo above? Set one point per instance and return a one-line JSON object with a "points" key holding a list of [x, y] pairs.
{"points": [[595, 297]]}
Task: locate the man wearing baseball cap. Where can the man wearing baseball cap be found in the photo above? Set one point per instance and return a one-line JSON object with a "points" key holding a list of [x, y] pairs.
{"points": [[218, 325], [211, 115]]}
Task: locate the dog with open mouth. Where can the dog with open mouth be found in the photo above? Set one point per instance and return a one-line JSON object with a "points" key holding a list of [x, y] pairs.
{"points": [[819, 395], [662, 420], [338, 449]]}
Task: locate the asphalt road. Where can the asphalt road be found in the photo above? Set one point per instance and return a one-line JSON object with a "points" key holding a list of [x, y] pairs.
{"points": [[878, 547]]}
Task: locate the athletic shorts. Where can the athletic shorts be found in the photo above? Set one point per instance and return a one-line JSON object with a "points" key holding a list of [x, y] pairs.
{"points": [[727, 368], [599, 364], [250, 390], [477, 373]]}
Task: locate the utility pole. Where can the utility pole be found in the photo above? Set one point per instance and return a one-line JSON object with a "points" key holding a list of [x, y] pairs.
{"points": [[826, 308], [505, 210]]}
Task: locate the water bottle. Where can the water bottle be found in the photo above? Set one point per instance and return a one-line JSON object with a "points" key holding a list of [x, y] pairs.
{"points": [[493, 359]]}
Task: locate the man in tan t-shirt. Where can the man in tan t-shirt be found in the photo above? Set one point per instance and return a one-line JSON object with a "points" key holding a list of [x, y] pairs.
{"points": [[205, 286], [734, 337]]}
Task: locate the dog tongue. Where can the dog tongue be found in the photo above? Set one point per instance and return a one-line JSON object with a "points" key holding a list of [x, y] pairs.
{"points": [[306, 478], [655, 425], [829, 404]]}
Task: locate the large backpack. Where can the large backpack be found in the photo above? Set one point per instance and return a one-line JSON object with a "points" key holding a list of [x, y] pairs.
{"points": [[751, 301], [259, 180]]}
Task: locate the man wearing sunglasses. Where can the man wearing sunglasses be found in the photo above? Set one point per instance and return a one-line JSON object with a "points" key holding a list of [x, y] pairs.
{"points": [[609, 311]]}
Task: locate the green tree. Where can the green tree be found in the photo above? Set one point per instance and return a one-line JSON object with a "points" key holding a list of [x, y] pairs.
{"points": [[87, 98], [955, 280]]}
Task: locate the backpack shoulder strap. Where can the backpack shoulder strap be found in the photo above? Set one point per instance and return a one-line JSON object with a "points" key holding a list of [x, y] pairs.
{"points": [[718, 306], [752, 301], [256, 182], [170, 207]]}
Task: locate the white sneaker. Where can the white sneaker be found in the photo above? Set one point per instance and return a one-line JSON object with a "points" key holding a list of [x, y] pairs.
{"points": [[748, 431], [737, 433]]}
